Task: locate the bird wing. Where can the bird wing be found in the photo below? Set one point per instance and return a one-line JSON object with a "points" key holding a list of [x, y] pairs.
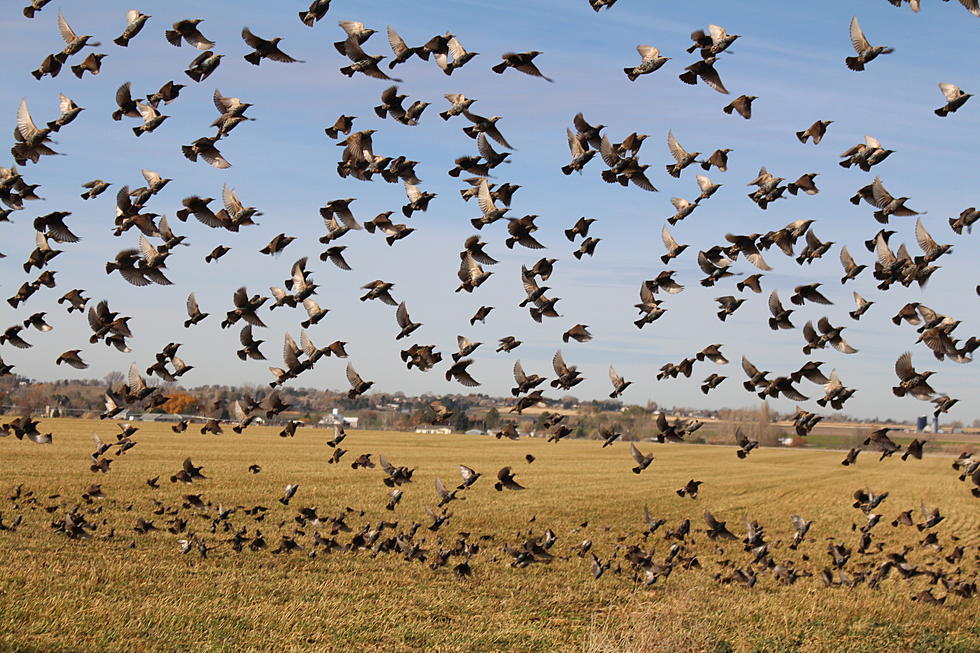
{"points": [[519, 375], [881, 196], [65, 30], [252, 40], [858, 41], [903, 366], [750, 369], [648, 52], [675, 148], [558, 363], [668, 240], [637, 456], [606, 151], [25, 124], [616, 379], [846, 259], [353, 377], [775, 305], [396, 42], [136, 382], [485, 199], [440, 488], [574, 146], [401, 316], [192, 305], [922, 237], [290, 352], [951, 91]]}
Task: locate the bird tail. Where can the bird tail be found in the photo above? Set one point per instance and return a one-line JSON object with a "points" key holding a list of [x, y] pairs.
{"points": [[854, 64], [802, 136], [955, 225], [881, 217], [630, 74], [307, 18], [942, 112], [78, 70], [566, 170], [253, 58], [122, 41], [444, 115], [728, 109], [741, 454], [500, 68]]}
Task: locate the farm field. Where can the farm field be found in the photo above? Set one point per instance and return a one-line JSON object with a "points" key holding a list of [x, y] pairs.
{"points": [[120, 589]]}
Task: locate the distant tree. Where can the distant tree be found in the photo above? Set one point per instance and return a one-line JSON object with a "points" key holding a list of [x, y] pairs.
{"points": [[491, 421], [180, 403], [113, 379], [460, 422]]}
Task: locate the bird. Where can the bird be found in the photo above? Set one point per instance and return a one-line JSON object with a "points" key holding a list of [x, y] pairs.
{"points": [[705, 71], [650, 61], [642, 460], [520, 61], [135, 20], [186, 30], [316, 11], [745, 445], [955, 98], [742, 105], [814, 132], [579, 332], [865, 51], [358, 385], [264, 49], [619, 383], [690, 489], [505, 480], [911, 382]]}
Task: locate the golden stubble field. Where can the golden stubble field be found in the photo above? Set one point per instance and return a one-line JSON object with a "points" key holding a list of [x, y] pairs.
{"points": [[126, 591]]}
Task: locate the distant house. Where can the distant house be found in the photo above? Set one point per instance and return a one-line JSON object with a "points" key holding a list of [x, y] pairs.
{"points": [[439, 430], [336, 419]]}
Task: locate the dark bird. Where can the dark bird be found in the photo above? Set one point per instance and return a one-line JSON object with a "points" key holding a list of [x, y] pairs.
{"points": [[619, 383], [288, 494], [521, 61], [955, 98], [865, 51], [705, 71], [744, 444], [911, 382], [642, 460], [187, 30], [358, 385], [742, 105], [317, 10], [134, 24], [690, 489], [880, 440], [814, 132], [717, 529], [505, 480], [481, 315], [264, 49]]}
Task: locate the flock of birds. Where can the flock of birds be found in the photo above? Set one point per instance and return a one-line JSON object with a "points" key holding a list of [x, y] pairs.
{"points": [[146, 265]]}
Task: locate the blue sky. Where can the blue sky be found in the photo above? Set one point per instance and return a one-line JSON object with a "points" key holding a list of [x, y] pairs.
{"points": [[790, 56]]}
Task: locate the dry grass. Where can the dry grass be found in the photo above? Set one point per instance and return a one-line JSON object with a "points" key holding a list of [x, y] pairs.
{"points": [[137, 592]]}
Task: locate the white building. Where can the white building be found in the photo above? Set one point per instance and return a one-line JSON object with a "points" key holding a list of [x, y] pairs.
{"points": [[335, 419], [439, 430]]}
